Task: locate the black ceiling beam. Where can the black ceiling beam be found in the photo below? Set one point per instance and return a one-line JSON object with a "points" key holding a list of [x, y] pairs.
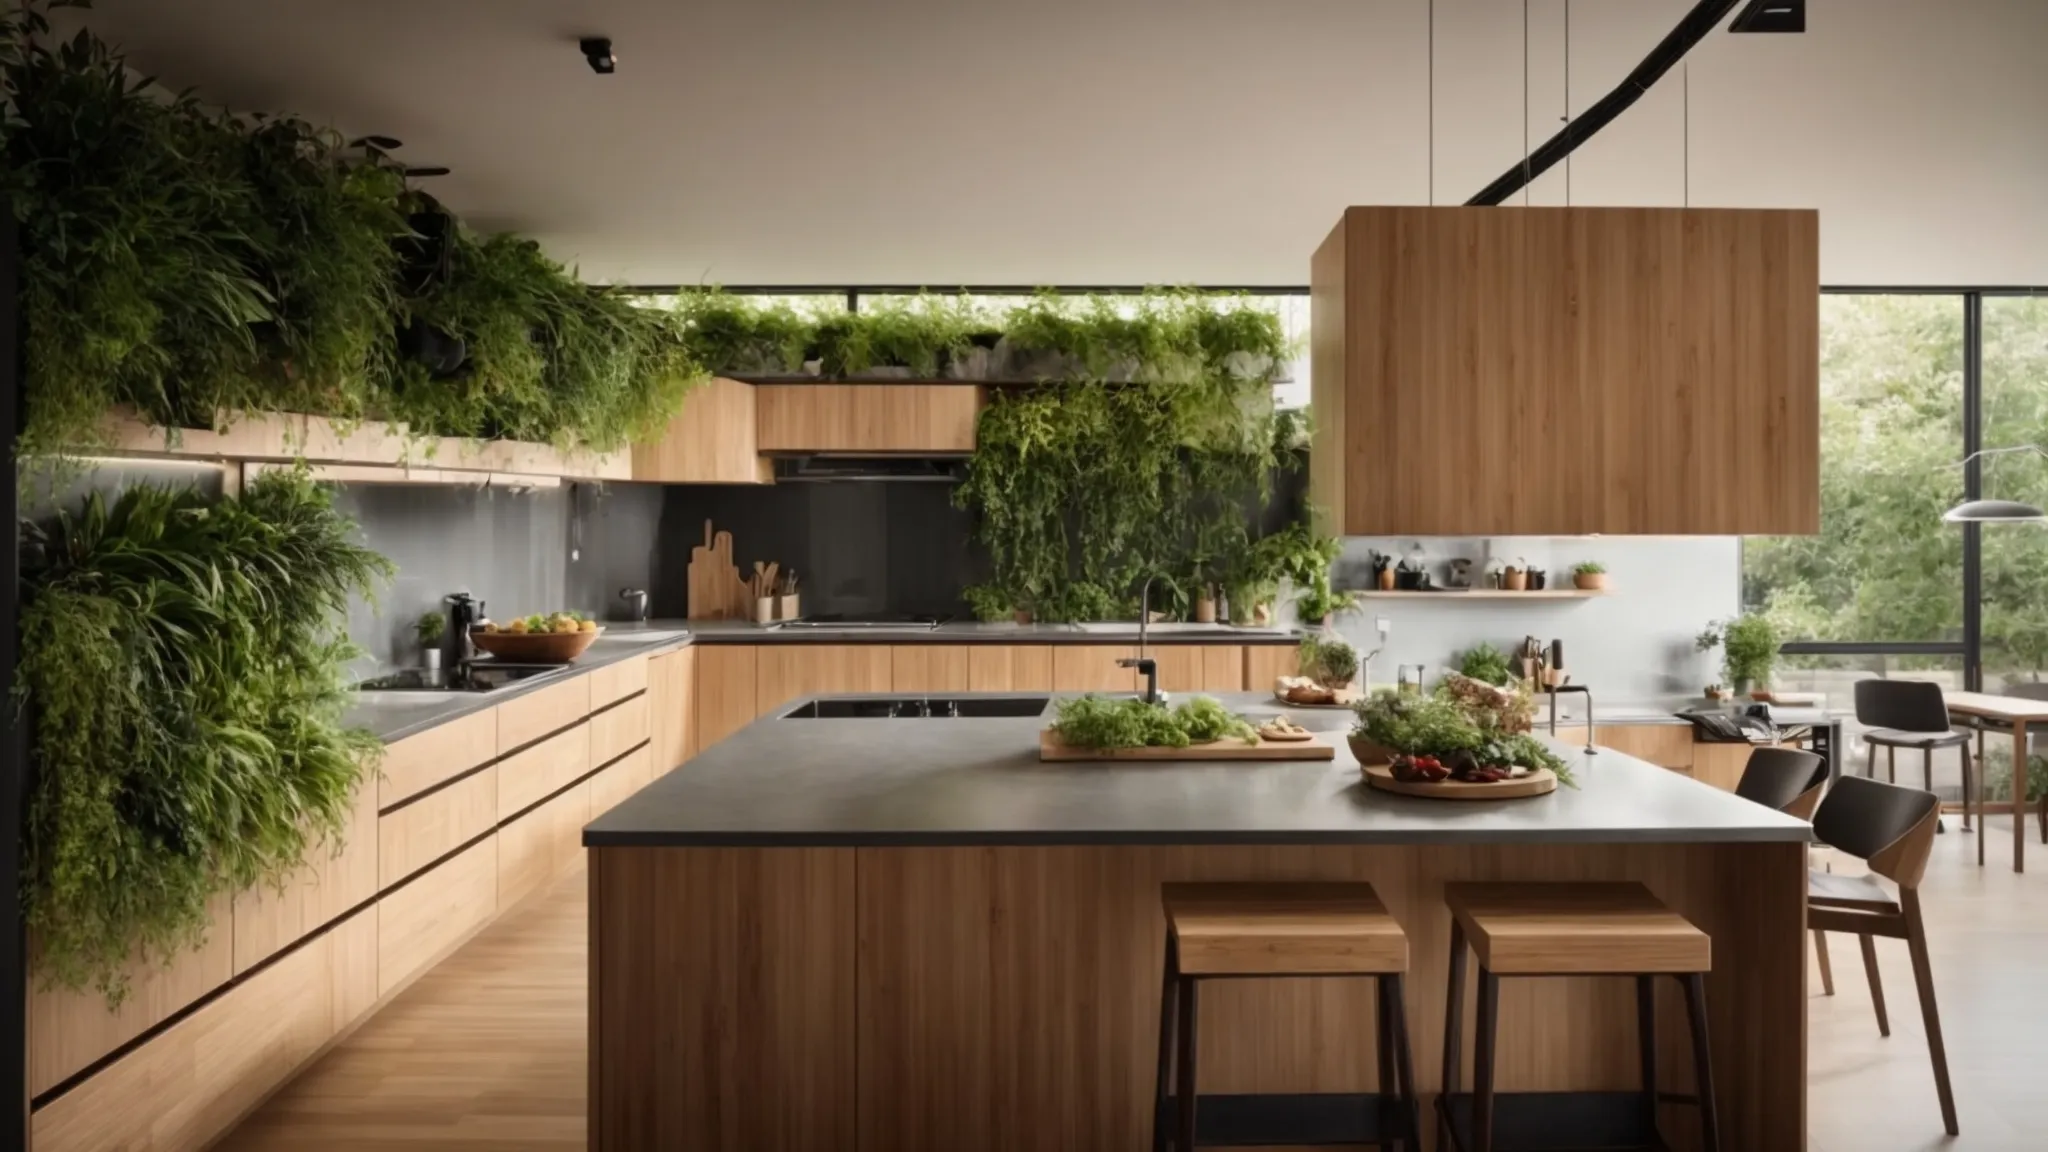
{"points": [[1697, 25]]}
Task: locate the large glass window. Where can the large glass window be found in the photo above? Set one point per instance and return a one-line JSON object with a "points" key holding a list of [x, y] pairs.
{"points": [[1884, 568], [2015, 564]]}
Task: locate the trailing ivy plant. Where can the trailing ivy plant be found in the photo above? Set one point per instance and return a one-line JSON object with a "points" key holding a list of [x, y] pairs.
{"points": [[182, 678]]}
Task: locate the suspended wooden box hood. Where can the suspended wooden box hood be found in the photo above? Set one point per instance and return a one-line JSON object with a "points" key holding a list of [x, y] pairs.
{"points": [[1564, 371]]}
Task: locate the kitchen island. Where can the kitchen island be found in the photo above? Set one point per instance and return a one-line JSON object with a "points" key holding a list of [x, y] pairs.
{"points": [[897, 934]]}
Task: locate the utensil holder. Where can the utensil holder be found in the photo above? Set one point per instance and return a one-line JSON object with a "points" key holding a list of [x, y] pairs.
{"points": [[786, 607], [764, 610]]}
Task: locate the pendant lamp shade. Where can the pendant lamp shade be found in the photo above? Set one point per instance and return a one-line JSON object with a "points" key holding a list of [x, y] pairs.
{"points": [[1994, 512]]}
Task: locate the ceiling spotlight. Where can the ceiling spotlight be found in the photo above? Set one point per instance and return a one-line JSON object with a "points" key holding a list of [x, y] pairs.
{"points": [[1771, 16], [597, 50]]}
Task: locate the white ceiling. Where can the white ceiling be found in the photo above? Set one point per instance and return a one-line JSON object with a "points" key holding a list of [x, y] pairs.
{"points": [[1132, 141]]}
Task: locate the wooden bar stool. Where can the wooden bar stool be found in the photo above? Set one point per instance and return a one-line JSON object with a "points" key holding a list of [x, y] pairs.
{"points": [[1588, 929], [1245, 931], [1892, 829]]}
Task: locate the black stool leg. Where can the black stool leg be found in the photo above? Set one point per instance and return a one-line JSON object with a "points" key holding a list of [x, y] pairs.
{"points": [[1482, 1061], [1185, 1141], [1646, 1041], [1166, 1009], [1404, 1063], [1383, 1035], [1454, 1035], [1702, 1060]]}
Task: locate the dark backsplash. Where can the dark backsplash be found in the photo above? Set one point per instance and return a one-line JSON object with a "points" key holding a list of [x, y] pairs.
{"points": [[856, 547]]}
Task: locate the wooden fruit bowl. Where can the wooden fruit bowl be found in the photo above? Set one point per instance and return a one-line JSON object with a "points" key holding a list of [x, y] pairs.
{"points": [[534, 647]]}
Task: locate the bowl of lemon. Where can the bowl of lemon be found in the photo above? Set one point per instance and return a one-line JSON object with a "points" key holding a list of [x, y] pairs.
{"points": [[551, 638]]}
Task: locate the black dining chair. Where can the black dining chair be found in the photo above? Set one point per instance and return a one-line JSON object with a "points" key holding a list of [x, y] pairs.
{"points": [[1892, 830], [1909, 714]]}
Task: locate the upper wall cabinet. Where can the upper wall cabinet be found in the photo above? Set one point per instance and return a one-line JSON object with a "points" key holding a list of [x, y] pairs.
{"points": [[1564, 371], [711, 441], [935, 418]]}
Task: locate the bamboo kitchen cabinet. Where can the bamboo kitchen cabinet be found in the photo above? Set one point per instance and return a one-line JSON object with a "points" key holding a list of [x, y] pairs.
{"points": [[935, 418], [711, 441], [1567, 371]]}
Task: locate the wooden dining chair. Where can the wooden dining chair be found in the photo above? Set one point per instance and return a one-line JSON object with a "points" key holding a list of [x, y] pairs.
{"points": [[1787, 779], [1892, 830]]}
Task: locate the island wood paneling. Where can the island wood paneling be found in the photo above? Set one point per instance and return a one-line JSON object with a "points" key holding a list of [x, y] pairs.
{"points": [[1008, 996], [541, 845], [68, 1030], [430, 827], [1198, 667], [1657, 367], [726, 691], [867, 417], [534, 715], [528, 776], [1722, 764], [788, 671], [756, 1048], [672, 708], [711, 441], [427, 918], [618, 728], [1669, 745], [1222, 667], [1009, 668], [617, 681], [930, 668], [330, 883], [416, 763], [181, 1090], [1093, 668]]}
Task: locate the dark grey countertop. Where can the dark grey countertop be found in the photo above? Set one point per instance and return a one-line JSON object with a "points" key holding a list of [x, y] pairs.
{"points": [[975, 632], [937, 782], [395, 715]]}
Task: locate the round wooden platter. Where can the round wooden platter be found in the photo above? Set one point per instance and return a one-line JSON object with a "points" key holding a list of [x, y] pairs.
{"points": [[1346, 697], [1537, 783]]}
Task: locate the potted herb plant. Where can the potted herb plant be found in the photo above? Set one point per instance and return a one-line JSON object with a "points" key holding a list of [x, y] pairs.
{"points": [[1331, 663], [430, 628], [1590, 575], [1749, 650]]}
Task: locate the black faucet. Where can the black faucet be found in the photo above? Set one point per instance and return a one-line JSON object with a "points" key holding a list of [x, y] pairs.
{"points": [[1145, 664]]}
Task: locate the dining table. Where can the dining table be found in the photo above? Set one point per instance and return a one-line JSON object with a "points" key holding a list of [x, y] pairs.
{"points": [[1989, 711]]}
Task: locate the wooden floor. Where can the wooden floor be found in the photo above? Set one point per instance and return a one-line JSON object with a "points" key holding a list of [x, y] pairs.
{"points": [[487, 1051]]}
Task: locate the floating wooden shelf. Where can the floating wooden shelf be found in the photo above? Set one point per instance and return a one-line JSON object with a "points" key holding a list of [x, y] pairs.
{"points": [[1490, 594]]}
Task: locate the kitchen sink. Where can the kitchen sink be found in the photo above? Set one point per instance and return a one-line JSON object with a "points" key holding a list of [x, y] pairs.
{"points": [[920, 708]]}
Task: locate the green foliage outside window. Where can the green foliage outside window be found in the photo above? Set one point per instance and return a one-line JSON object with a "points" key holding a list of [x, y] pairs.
{"points": [[182, 672]]}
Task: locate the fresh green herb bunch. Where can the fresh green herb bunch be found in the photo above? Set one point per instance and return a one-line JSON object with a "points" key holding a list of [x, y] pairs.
{"points": [[183, 677], [1522, 750], [1486, 663], [1419, 725], [1324, 658], [1093, 721]]}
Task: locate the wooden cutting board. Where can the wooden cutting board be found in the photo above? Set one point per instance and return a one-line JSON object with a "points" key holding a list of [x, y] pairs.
{"points": [[1051, 747], [716, 590], [1536, 783]]}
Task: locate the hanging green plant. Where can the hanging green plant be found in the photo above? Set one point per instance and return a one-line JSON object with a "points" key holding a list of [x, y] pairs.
{"points": [[183, 675], [741, 336], [918, 334]]}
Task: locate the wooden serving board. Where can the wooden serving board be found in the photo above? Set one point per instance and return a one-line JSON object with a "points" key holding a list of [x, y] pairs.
{"points": [[1051, 747], [1536, 783], [1346, 697]]}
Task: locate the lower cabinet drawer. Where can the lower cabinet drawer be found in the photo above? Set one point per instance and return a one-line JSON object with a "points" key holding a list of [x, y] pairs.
{"points": [[431, 826], [526, 778], [541, 845], [618, 728], [422, 922], [614, 784], [188, 1085]]}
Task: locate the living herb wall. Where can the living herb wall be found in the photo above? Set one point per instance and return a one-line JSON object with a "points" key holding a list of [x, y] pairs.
{"points": [[182, 665], [1128, 439], [187, 261]]}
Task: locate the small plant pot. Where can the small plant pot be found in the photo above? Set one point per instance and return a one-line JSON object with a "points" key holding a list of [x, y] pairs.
{"points": [[1514, 580], [1020, 616], [1538, 580], [1205, 610], [1590, 581], [1407, 581], [430, 659], [1384, 578]]}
